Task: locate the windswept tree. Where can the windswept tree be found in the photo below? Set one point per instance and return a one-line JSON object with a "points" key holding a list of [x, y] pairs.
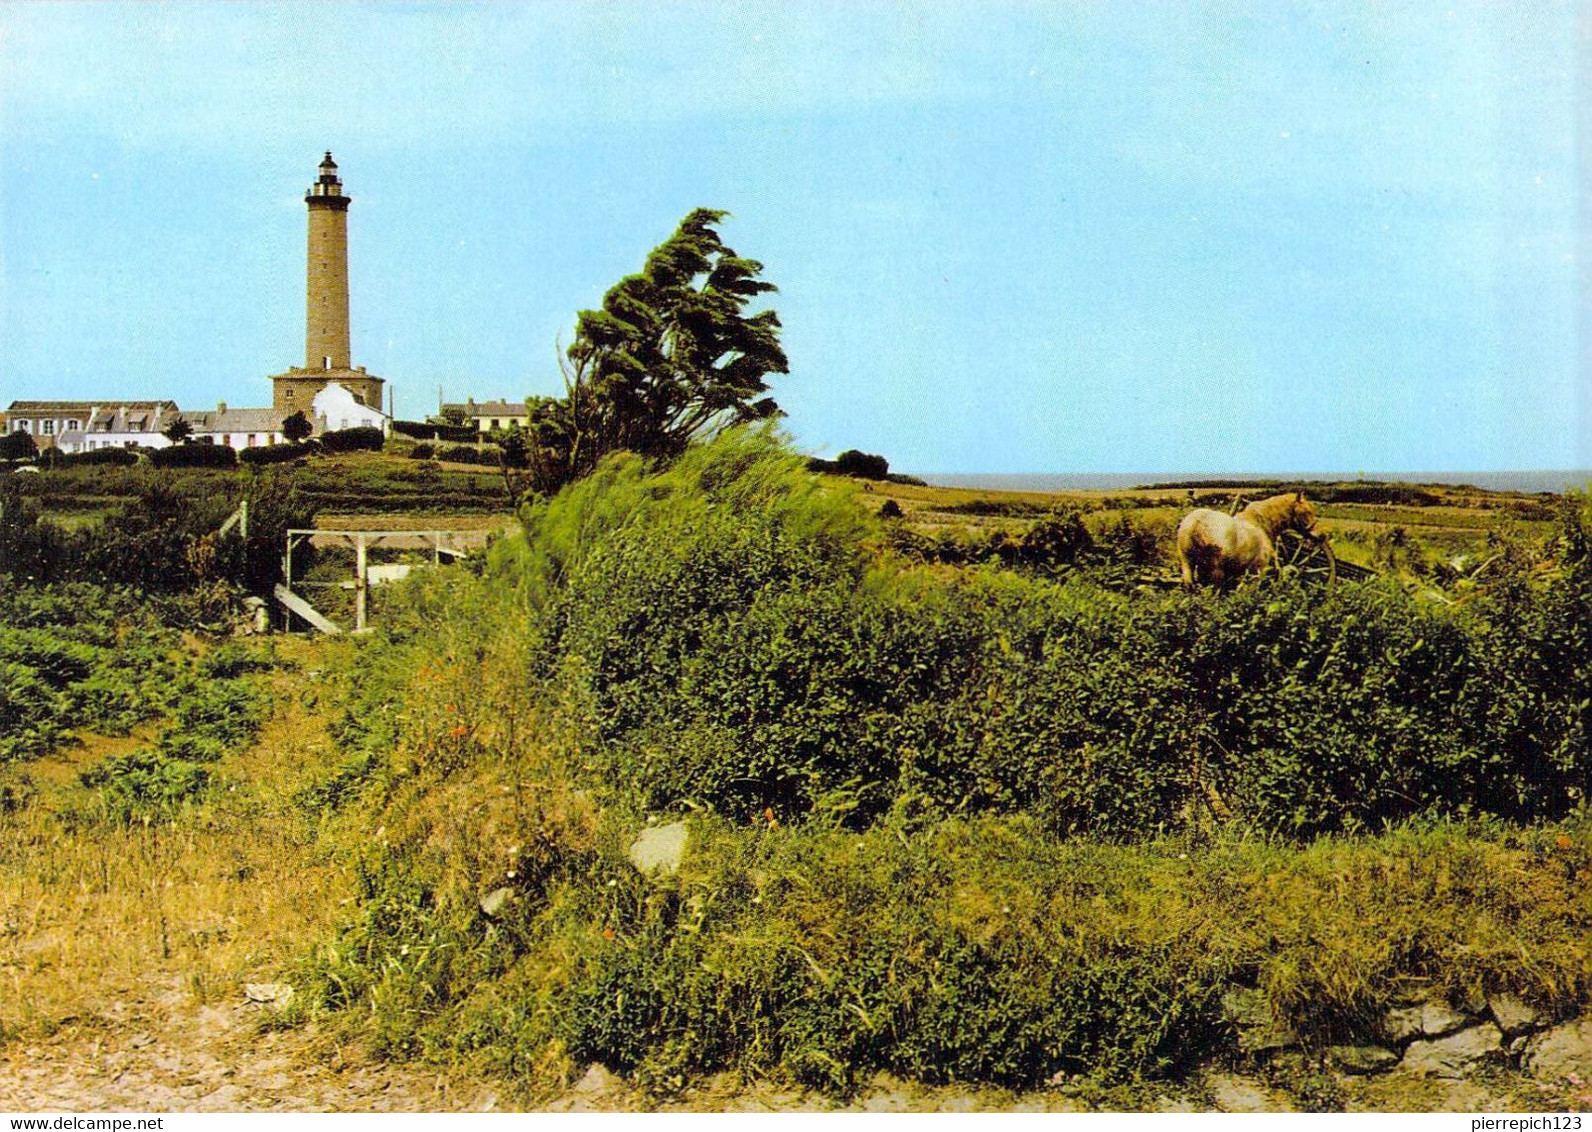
{"points": [[178, 431], [671, 357]]}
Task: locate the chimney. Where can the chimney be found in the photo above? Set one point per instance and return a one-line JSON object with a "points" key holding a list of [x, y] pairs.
{"points": [[221, 407]]}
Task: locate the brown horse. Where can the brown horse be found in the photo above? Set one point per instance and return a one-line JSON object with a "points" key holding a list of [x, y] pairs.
{"points": [[1216, 549]]}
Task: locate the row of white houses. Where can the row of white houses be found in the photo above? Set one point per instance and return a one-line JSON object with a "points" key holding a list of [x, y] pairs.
{"points": [[85, 426]]}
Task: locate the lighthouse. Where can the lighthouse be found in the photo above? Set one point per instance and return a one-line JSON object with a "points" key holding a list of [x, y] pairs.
{"points": [[327, 355], [326, 283]]}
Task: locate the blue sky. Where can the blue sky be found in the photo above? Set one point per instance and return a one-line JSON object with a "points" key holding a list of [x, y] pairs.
{"points": [[1008, 237]]}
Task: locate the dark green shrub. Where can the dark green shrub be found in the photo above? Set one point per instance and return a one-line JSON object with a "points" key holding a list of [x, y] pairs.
{"points": [[104, 457], [422, 452], [365, 438], [469, 454], [194, 456], [732, 650], [278, 453], [851, 462], [145, 784], [18, 446]]}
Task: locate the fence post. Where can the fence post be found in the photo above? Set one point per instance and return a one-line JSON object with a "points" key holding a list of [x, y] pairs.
{"points": [[360, 583]]}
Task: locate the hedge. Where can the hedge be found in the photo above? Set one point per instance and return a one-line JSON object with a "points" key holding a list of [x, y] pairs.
{"points": [[116, 457], [277, 453], [466, 454], [194, 456], [364, 438], [425, 430]]}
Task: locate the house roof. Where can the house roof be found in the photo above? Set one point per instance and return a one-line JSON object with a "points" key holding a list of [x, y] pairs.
{"points": [[135, 416], [27, 407], [234, 420], [488, 408]]}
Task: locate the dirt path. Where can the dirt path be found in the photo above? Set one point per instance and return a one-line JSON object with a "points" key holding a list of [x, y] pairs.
{"points": [[159, 1050]]}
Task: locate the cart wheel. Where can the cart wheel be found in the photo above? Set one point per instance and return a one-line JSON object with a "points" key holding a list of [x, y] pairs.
{"points": [[1309, 556]]}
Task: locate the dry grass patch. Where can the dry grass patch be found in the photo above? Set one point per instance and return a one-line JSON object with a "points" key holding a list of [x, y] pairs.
{"points": [[222, 892]]}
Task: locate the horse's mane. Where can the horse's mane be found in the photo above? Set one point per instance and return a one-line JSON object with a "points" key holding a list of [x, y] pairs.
{"points": [[1273, 513]]}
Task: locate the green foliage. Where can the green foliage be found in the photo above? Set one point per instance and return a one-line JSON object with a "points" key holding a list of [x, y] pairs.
{"points": [[296, 427], [18, 446], [238, 658], [278, 453], [978, 950], [365, 438], [194, 456], [163, 538], [958, 824], [209, 715], [672, 356], [77, 657], [96, 457], [145, 784], [469, 454], [861, 465], [731, 647]]}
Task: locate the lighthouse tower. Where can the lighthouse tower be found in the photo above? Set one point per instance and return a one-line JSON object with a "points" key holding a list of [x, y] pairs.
{"points": [[327, 357], [326, 285]]}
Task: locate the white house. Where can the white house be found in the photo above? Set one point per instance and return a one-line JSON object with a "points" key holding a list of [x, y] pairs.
{"points": [[335, 408], [76, 426], [489, 416], [235, 428], [132, 424]]}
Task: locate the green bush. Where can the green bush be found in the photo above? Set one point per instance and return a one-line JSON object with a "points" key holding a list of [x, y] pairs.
{"points": [[277, 453], [194, 456], [101, 457], [469, 454], [76, 657], [732, 646], [362, 439], [17, 445], [144, 785]]}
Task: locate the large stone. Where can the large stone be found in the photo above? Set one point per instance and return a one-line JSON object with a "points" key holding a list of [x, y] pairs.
{"points": [[660, 848], [1514, 1016], [1259, 1030], [1423, 1020], [1457, 1054], [1238, 1094], [494, 902], [1555, 1054], [268, 994], [597, 1079], [1361, 1060]]}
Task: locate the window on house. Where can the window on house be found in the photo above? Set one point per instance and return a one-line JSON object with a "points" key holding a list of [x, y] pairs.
{"points": [[49, 427], [287, 395]]}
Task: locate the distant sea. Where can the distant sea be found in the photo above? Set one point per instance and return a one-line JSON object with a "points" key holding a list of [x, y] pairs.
{"points": [[1117, 481]]}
